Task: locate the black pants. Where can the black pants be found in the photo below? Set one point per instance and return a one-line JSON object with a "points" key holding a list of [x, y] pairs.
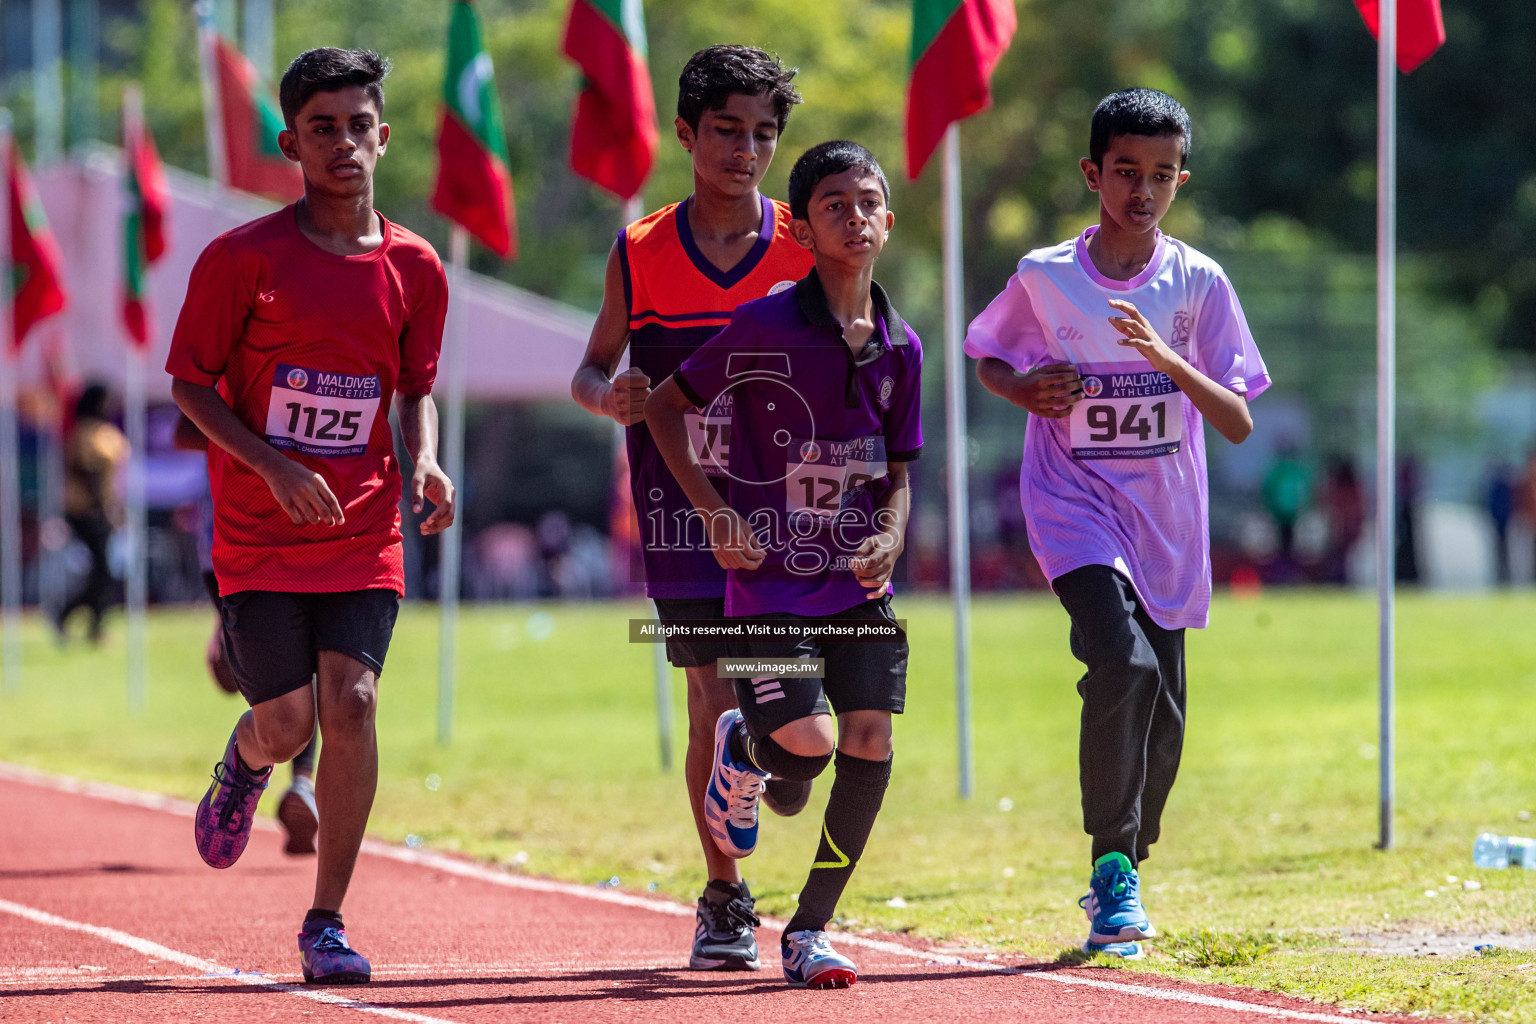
{"points": [[99, 591], [1133, 709]]}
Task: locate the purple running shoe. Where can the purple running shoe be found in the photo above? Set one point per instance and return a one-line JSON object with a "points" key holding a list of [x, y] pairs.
{"points": [[227, 810], [326, 958]]}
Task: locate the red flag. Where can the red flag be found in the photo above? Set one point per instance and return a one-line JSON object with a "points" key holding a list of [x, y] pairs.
{"points": [[1420, 29], [613, 137], [474, 187], [144, 216], [956, 44], [37, 275], [251, 123]]}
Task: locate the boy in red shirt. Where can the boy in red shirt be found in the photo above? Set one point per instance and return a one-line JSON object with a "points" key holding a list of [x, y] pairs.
{"points": [[297, 331]]}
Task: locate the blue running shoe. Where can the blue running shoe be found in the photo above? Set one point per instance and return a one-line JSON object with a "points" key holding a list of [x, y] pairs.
{"points": [[325, 957], [730, 804], [1113, 903], [224, 817], [811, 962], [1123, 950]]}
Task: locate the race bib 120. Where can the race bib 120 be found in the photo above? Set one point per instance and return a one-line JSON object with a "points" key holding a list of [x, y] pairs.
{"points": [[823, 475], [314, 412], [1126, 413]]}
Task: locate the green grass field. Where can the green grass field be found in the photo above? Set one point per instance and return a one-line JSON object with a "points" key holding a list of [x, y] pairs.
{"points": [[1268, 841]]}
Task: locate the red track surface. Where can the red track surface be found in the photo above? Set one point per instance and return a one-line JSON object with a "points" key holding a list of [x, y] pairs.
{"points": [[106, 914]]}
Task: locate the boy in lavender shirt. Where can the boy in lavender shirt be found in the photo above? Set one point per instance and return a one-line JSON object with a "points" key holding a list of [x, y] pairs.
{"points": [[826, 381], [1117, 343]]}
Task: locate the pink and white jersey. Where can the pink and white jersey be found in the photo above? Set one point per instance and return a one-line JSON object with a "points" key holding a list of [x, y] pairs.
{"points": [[1122, 481]]}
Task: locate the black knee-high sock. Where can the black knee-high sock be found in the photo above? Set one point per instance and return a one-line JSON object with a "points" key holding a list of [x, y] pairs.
{"points": [[857, 792], [305, 761]]}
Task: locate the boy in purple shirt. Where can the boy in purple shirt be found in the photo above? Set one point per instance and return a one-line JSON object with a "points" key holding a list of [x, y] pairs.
{"points": [[826, 381], [1120, 344]]}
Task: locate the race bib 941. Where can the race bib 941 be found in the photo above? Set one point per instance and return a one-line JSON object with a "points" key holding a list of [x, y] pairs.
{"points": [[1126, 413], [314, 412]]}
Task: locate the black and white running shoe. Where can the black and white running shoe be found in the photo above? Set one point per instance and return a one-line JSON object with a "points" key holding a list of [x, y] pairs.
{"points": [[724, 940]]}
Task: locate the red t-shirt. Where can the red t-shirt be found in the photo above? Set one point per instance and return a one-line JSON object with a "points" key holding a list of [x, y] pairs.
{"points": [[308, 348]]}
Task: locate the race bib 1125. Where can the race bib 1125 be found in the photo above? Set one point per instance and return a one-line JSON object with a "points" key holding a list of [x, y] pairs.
{"points": [[1127, 412], [315, 412]]}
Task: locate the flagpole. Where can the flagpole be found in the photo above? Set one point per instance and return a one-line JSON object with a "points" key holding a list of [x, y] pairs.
{"points": [[10, 455], [256, 41], [1386, 398], [47, 81], [84, 46], [959, 476], [51, 580], [451, 544], [133, 416], [213, 123], [661, 670]]}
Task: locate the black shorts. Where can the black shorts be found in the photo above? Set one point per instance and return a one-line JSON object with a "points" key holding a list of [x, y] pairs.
{"points": [[696, 653], [860, 676], [273, 638]]}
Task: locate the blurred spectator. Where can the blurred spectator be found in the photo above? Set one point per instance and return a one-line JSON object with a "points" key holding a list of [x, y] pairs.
{"points": [[1343, 507], [1525, 501], [1407, 519], [1286, 492], [94, 452], [504, 565], [1501, 509]]}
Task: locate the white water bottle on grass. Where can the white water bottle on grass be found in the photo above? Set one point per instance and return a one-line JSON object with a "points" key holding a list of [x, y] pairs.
{"points": [[1494, 851]]}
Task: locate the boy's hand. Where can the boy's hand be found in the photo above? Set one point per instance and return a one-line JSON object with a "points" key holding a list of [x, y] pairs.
{"points": [[734, 543], [625, 399], [430, 483], [873, 563], [303, 493], [1051, 390], [1140, 336]]}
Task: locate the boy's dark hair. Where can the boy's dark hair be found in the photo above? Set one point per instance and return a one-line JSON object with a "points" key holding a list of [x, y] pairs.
{"points": [[328, 69], [823, 161], [1137, 112], [714, 75]]}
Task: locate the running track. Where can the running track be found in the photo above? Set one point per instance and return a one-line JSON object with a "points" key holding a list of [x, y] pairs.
{"points": [[107, 915]]}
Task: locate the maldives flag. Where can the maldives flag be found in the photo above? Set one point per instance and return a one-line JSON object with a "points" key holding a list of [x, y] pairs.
{"points": [[955, 46], [251, 121], [613, 137], [474, 187], [37, 275], [147, 199], [1420, 29]]}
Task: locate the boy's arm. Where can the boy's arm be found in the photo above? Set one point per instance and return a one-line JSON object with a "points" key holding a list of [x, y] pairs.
{"points": [[418, 427], [1049, 390], [734, 544], [301, 492], [875, 559], [1225, 410], [622, 398]]}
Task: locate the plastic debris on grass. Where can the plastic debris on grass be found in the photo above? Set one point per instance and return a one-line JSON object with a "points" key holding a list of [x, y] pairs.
{"points": [[434, 782], [1005, 805], [897, 902], [414, 841]]}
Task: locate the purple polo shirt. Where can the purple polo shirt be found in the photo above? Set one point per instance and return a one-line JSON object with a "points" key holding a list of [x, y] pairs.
{"points": [[812, 432]]}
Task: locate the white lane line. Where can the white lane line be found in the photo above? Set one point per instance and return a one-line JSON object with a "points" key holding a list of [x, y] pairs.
{"points": [[175, 956], [660, 905]]}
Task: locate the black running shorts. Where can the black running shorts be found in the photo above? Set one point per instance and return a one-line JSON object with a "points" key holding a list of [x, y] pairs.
{"points": [[860, 676], [273, 638], [696, 653]]}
